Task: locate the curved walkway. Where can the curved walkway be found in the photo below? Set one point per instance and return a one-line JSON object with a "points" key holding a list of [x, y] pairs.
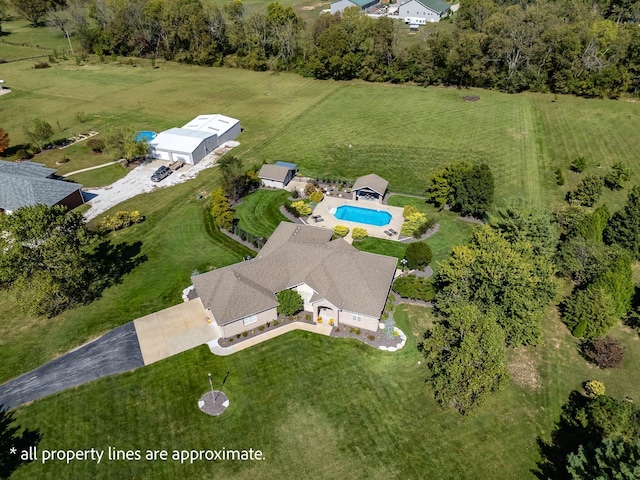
{"points": [[216, 349], [115, 352], [91, 168]]}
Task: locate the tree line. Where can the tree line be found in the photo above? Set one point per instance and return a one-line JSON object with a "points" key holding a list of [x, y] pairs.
{"points": [[585, 48]]}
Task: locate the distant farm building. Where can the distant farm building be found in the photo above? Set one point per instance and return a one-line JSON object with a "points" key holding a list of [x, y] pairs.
{"points": [[24, 184], [340, 5], [195, 140], [429, 10], [277, 175]]}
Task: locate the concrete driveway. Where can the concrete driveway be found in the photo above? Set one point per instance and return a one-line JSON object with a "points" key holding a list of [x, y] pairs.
{"points": [[174, 330], [115, 352]]}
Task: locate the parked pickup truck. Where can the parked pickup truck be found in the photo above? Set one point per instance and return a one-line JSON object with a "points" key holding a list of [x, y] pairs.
{"points": [[161, 173]]}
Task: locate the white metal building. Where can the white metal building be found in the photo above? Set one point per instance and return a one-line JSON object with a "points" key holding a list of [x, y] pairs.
{"points": [[195, 140], [430, 10], [226, 128]]}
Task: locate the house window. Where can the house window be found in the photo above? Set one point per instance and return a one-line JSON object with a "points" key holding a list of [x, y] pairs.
{"points": [[249, 320], [356, 318]]}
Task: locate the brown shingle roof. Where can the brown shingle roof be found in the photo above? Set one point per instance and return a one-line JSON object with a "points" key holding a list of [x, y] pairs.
{"points": [[351, 280], [274, 172], [372, 181]]}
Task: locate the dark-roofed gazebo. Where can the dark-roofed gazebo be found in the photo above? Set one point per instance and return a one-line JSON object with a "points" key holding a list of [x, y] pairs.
{"points": [[370, 187]]}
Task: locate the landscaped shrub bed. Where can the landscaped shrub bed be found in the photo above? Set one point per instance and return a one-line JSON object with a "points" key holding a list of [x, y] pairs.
{"points": [[119, 220], [415, 288], [298, 209], [340, 231]]}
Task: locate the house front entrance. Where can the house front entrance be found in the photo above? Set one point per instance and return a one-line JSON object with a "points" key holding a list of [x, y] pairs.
{"points": [[328, 316]]}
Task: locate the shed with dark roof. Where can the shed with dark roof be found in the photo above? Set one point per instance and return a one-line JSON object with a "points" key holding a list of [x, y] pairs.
{"points": [[278, 175]]}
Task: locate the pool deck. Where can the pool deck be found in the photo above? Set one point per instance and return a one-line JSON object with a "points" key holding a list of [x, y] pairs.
{"points": [[330, 221]]}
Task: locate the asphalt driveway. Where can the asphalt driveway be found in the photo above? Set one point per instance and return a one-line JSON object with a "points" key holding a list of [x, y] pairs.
{"points": [[115, 352]]}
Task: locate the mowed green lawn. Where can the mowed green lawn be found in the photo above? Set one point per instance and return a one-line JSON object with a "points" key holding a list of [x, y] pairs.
{"points": [[173, 242], [339, 129], [319, 408], [259, 213]]}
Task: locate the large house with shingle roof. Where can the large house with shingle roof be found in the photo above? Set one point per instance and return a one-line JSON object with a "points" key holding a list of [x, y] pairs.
{"points": [[335, 280], [27, 183]]}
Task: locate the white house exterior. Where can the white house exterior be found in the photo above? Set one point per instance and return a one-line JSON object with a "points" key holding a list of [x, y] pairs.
{"points": [[195, 140], [430, 10]]}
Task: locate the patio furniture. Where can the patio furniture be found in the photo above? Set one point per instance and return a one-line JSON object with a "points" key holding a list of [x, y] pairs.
{"points": [[388, 233], [392, 231], [319, 219]]}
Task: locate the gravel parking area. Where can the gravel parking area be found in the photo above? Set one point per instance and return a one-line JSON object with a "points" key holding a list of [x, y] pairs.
{"points": [[139, 181]]}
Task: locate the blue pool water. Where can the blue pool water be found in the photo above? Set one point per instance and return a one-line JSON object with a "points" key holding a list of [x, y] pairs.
{"points": [[362, 215], [145, 135]]}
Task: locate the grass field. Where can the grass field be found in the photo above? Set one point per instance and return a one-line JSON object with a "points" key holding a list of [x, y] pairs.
{"points": [[318, 407]]}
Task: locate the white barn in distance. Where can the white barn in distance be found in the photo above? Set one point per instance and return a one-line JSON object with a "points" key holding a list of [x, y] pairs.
{"points": [[426, 10], [195, 140]]}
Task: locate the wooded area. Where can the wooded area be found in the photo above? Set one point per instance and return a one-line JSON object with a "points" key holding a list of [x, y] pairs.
{"points": [[590, 49]]}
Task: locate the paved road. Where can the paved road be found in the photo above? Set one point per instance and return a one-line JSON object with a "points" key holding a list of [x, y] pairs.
{"points": [[115, 352]]}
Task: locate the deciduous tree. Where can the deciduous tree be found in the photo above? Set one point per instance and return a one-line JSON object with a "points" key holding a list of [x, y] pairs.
{"points": [[39, 132], [588, 191], [465, 354], [289, 302], [120, 143], [236, 182], [618, 175], [35, 10], [47, 258], [509, 279]]}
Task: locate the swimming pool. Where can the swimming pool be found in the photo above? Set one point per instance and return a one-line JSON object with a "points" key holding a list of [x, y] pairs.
{"points": [[145, 135], [363, 215]]}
